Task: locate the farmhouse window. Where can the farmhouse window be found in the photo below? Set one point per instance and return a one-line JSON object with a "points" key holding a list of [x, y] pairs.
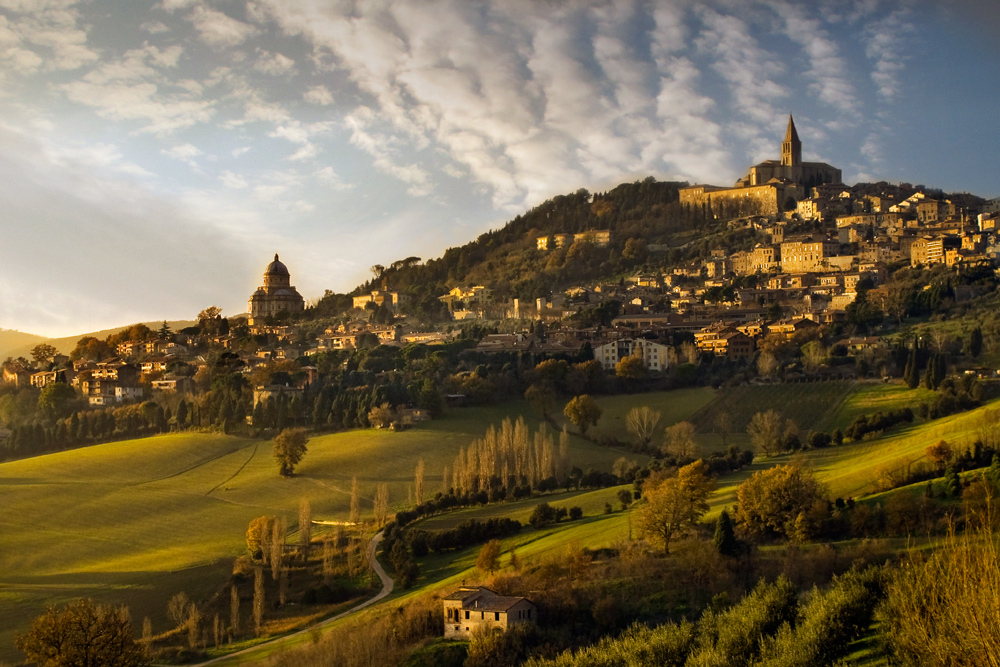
{"points": [[496, 616], [466, 615]]}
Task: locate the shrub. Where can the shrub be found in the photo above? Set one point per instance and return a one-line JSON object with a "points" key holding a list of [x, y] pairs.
{"points": [[575, 513], [542, 515]]}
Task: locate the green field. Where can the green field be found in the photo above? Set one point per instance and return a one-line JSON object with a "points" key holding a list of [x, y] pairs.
{"points": [[811, 405], [135, 522]]}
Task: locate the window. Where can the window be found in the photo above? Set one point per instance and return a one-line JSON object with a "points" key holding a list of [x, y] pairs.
{"points": [[496, 616], [466, 617]]}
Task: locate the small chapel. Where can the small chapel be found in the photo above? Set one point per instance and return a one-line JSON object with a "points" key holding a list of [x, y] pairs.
{"points": [[276, 295]]}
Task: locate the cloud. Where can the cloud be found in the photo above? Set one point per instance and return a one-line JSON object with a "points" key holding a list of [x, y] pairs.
{"points": [[154, 27], [318, 95], [828, 70], [885, 45], [749, 70], [219, 30], [122, 100], [183, 152], [234, 181], [328, 177], [274, 64]]}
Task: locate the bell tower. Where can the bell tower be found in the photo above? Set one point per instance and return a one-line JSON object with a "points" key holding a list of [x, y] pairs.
{"points": [[791, 147]]}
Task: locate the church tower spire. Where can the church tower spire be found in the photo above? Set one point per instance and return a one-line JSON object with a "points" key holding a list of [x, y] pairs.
{"points": [[791, 147]]}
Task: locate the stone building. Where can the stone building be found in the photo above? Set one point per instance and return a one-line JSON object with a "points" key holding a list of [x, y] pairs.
{"points": [[769, 187], [470, 608], [791, 167], [276, 295]]}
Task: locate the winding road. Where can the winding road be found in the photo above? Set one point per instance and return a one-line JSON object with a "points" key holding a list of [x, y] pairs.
{"points": [[387, 584]]}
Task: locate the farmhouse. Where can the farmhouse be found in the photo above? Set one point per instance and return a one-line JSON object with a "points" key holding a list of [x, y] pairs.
{"points": [[474, 607]]}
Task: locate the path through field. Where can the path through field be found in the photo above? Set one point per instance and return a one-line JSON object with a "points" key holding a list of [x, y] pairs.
{"points": [[387, 584]]}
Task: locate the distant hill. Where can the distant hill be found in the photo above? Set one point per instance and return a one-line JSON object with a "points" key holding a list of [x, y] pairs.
{"points": [[11, 340], [21, 347]]}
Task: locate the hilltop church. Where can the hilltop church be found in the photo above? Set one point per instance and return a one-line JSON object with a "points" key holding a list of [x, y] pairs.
{"points": [[276, 295], [769, 186]]}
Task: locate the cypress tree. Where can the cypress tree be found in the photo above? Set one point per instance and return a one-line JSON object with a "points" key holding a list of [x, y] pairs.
{"points": [[912, 373], [952, 483], [976, 342], [725, 538]]}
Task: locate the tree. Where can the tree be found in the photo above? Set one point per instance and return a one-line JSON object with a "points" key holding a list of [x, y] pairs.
{"points": [[723, 425], [725, 538], [680, 441], [939, 453], [164, 332], [771, 500], [766, 431], [355, 509], [767, 364], [541, 398], [641, 422], [256, 532], [975, 343], [814, 354], [305, 528], [177, 608], [258, 598], [630, 368], [82, 634], [418, 482], [56, 400], [583, 412], [911, 374], [673, 504], [542, 515], [381, 504], [234, 610], [489, 557], [43, 352], [289, 448], [381, 416]]}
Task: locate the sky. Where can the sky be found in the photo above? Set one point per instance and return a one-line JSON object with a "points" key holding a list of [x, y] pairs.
{"points": [[156, 154]]}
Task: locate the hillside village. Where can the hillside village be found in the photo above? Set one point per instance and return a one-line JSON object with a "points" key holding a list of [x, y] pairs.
{"points": [[819, 261]]}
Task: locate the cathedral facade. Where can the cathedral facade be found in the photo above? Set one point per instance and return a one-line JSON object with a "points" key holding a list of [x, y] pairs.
{"points": [[276, 295]]}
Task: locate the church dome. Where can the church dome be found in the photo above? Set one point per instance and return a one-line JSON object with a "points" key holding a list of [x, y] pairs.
{"points": [[276, 268]]}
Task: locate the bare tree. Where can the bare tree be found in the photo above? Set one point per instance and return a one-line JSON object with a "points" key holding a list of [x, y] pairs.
{"points": [[282, 585], [381, 504], [193, 625], [418, 481], [217, 626], [278, 535], [234, 610], [328, 551], [258, 598], [147, 637], [723, 425], [355, 516], [177, 607], [766, 431], [305, 528], [641, 422], [767, 364], [680, 440]]}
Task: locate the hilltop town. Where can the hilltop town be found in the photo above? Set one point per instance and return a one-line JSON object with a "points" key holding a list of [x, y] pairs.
{"points": [[816, 255]]}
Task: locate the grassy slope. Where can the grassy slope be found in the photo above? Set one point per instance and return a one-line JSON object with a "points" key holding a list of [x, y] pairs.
{"points": [[134, 522], [850, 470]]}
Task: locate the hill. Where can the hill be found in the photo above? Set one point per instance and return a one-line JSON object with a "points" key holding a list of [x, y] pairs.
{"points": [[21, 345], [11, 341], [137, 521]]}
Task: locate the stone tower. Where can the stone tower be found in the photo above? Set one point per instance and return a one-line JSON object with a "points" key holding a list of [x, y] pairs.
{"points": [[791, 147]]}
